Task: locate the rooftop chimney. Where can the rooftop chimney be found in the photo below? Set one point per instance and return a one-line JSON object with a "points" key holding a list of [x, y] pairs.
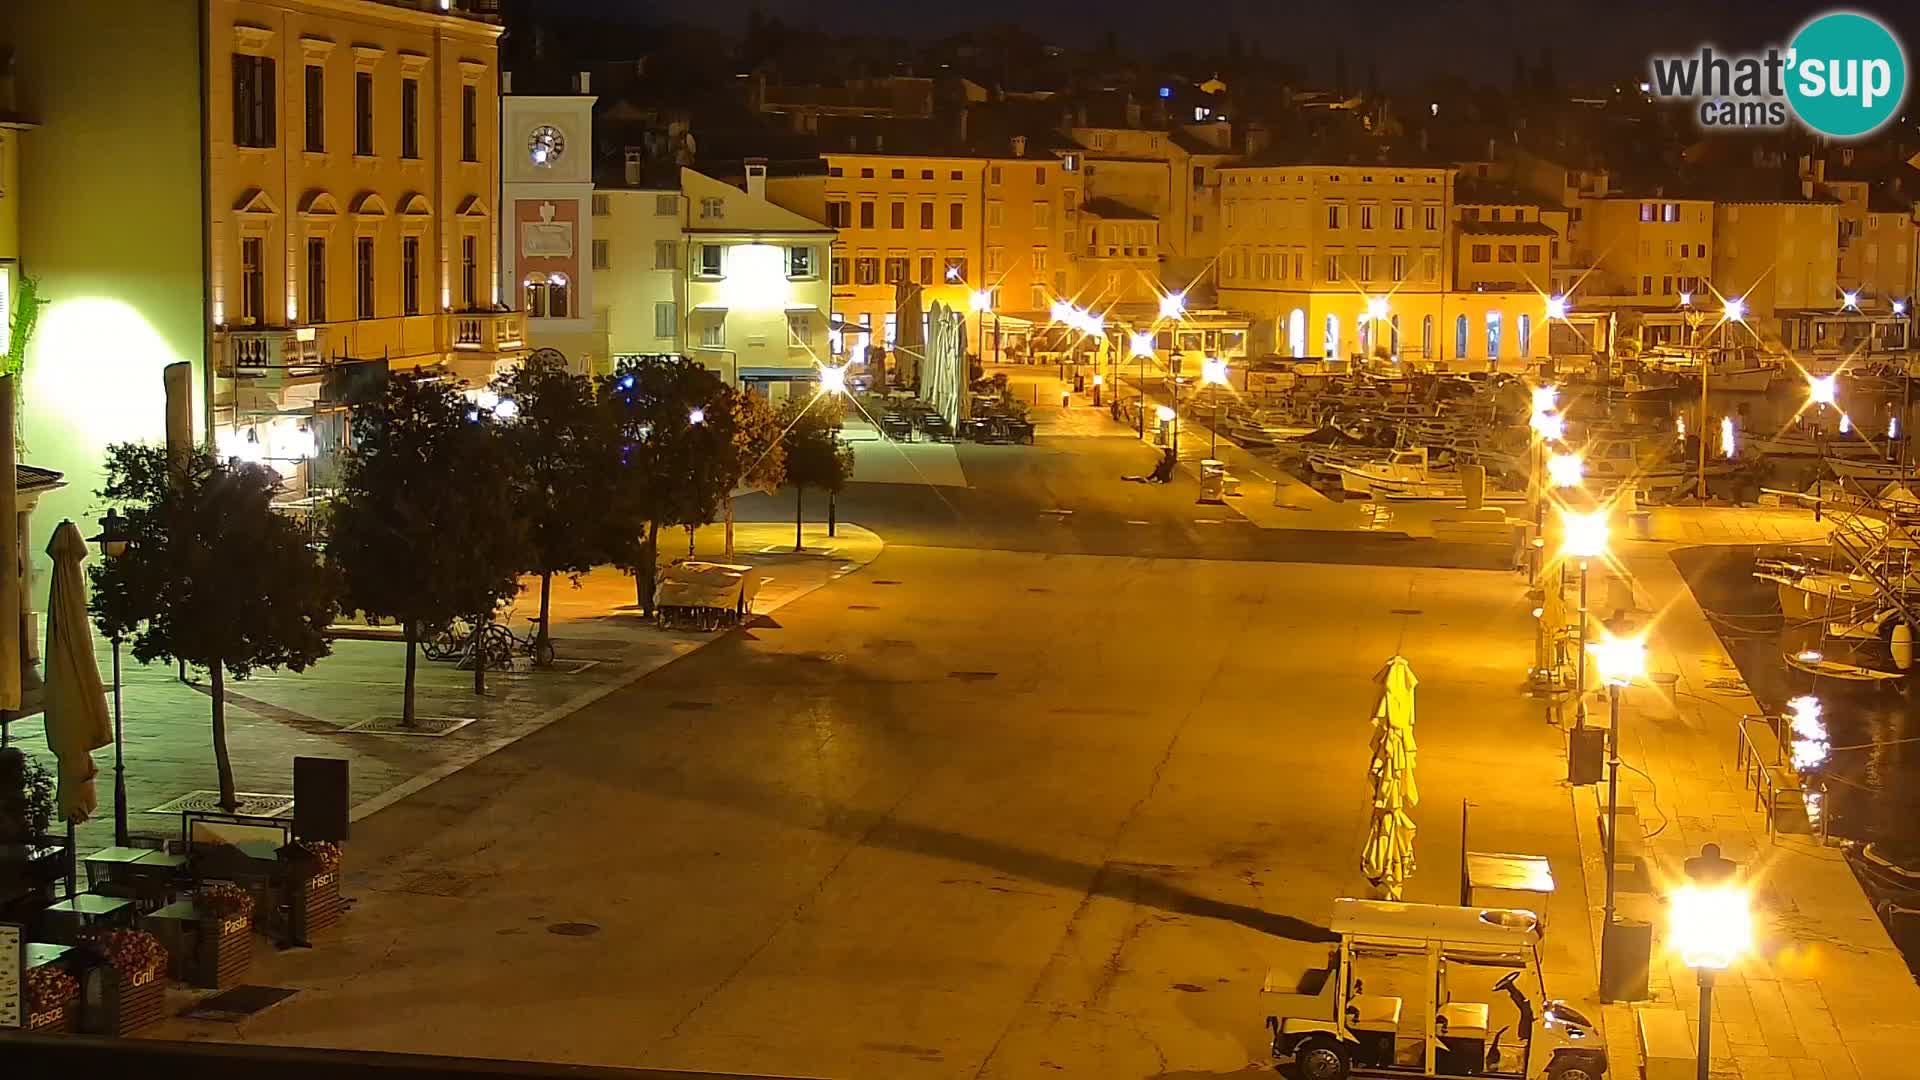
{"points": [[634, 158], [757, 177], [583, 82], [1019, 146], [506, 82]]}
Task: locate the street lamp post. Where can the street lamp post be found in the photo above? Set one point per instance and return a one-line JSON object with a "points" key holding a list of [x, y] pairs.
{"points": [[113, 544], [1620, 661], [1712, 926], [1213, 372], [1142, 346], [1584, 538], [981, 301]]}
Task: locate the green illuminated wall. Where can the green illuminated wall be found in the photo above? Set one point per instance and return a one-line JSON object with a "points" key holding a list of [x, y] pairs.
{"points": [[111, 222]]}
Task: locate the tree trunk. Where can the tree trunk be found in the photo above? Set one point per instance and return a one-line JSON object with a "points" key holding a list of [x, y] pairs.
{"points": [[406, 692], [650, 567], [216, 671], [799, 513], [729, 525], [546, 609], [480, 625]]}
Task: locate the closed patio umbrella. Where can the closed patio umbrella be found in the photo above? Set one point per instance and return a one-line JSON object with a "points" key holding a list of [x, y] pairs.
{"points": [[76, 705], [1387, 859]]}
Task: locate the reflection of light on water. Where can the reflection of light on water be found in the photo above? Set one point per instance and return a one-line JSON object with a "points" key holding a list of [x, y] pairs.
{"points": [[1809, 732]]}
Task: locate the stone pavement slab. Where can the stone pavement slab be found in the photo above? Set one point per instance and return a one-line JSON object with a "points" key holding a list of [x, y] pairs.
{"points": [[601, 644]]}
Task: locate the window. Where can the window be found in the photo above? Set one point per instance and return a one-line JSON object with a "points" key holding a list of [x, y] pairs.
{"points": [[1530, 253], [1038, 296], [666, 205], [1646, 285], [800, 262], [1426, 336], [713, 208], [839, 214], [993, 176], [1333, 218], [1666, 286], [1332, 268], [711, 261], [1399, 217], [1471, 213], [956, 216], [253, 283], [1399, 267], [1366, 215], [663, 255], [926, 215], [1039, 260], [1043, 215], [866, 215], [1460, 338], [316, 279], [1432, 218], [602, 205], [469, 123], [363, 113], [899, 174], [602, 255], [316, 109], [714, 334], [1199, 224], [926, 270], [1430, 266], [469, 271], [666, 321], [1330, 345], [996, 214], [1482, 253], [1366, 267], [1508, 252], [866, 270], [1494, 214], [1526, 336], [410, 275], [253, 111], [409, 118], [897, 215], [1646, 211], [926, 174], [1493, 335], [1040, 175], [363, 277], [956, 268], [954, 175], [841, 270], [1670, 212], [800, 329], [896, 269], [866, 174], [996, 260]]}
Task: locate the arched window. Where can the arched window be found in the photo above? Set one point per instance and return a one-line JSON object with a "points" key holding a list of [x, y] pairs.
{"points": [[1493, 338], [1526, 336], [547, 296], [1332, 342], [1393, 337], [1460, 337], [1426, 337], [1361, 335], [1297, 332]]}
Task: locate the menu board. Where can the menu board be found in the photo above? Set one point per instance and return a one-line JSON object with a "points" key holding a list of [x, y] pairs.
{"points": [[13, 946]]}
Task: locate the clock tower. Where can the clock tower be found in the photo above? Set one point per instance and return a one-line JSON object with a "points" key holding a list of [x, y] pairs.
{"points": [[546, 243]]}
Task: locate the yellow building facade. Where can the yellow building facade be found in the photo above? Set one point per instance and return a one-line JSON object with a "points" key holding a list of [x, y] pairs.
{"points": [[1777, 256], [353, 180], [1646, 251]]}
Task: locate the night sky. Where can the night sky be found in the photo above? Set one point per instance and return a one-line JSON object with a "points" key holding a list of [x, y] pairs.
{"points": [[1594, 40]]}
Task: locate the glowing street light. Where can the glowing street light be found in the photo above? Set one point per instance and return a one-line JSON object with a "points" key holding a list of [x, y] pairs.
{"points": [[1162, 413], [1142, 344], [1173, 305], [1549, 426], [980, 300], [1544, 398], [1810, 745], [1822, 389], [1583, 536], [1376, 308], [1621, 662], [1557, 307], [1711, 927], [1686, 299], [1899, 307], [1735, 309], [506, 409], [833, 380], [1566, 470], [697, 416], [1850, 299], [1213, 371]]}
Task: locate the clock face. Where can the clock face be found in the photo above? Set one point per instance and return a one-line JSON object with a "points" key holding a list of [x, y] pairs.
{"points": [[546, 145]]}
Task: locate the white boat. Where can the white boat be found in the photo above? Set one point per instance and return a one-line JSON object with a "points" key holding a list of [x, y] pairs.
{"points": [[1407, 474], [1809, 444], [1813, 593], [1873, 471]]}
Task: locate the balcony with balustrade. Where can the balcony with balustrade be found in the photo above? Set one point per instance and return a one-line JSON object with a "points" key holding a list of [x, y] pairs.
{"points": [[503, 332], [277, 354]]}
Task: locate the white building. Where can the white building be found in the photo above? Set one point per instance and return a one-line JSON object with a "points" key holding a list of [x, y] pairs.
{"points": [[640, 249], [547, 244]]}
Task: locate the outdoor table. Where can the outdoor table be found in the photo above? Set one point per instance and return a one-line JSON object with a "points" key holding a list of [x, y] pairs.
{"points": [[87, 910], [100, 865], [177, 926], [42, 953], [1501, 872]]}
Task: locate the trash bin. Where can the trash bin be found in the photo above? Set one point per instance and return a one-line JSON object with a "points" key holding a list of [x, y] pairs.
{"points": [[1213, 480]]}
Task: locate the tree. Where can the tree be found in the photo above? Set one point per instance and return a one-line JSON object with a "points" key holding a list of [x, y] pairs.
{"points": [[674, 426], [424, 529], [815, 455], [562, 455], [759, 450], [212, 576]]}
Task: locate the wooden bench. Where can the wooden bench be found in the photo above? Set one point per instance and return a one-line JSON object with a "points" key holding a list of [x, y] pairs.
{"points": [[1666, 1044]]}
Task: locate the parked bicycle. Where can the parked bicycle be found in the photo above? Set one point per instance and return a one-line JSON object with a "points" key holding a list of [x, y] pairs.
{"points": [[458, 641]]}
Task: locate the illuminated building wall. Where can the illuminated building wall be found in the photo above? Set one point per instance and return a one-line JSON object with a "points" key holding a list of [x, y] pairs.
{"points": [[548, 247], [640, 283], [1646, 250], [109, 199], [1032, 232], [1172, 175], [755, 285], [1778, 255]]}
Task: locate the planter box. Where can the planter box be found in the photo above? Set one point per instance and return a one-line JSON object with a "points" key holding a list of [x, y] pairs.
{"points": [[223, 948], [62, 1019], [124, 1005], [314, 905]]}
